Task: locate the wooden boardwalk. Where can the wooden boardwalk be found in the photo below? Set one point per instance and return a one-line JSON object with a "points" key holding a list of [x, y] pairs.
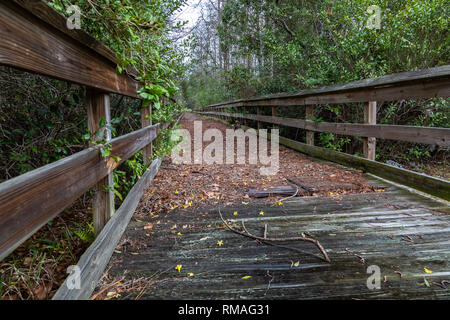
{"points": [[399, 231]]}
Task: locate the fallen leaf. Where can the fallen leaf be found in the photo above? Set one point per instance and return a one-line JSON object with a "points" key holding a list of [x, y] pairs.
{"points": [[246, 277], [427, 271]]}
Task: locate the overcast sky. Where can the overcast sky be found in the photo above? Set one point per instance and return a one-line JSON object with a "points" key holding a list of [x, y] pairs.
{"points": [[190, 12]]}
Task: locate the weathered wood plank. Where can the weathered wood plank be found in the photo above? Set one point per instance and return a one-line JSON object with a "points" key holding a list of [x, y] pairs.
{"points": [[426, 135], [93, 262], [29, 201], [31, 44], [342, 231], [427, 83]]}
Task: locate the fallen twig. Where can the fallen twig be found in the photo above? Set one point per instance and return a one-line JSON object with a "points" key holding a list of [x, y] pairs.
{"points": [[249, 235], [399, 273], [361, 259], [95, 296], [407, 238], [270, 281]]}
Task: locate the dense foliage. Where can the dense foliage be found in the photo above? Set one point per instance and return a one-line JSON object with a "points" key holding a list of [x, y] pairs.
{"points": [[44, 120]]}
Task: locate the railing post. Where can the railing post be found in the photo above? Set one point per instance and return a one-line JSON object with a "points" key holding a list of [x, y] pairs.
{"points": [[258, 112], [275, 114], [370, 117], [309, 116], [145, 122], [98, 108], [244, 121]]}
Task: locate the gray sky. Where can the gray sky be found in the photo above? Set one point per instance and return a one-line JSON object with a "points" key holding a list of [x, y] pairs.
{"points": [[190, 12]]}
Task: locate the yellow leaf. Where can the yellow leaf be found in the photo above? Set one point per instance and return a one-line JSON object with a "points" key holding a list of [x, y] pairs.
{"points": [[220, 243], [190, 274], [179, 234], [427, 271], [261, 213], [235, 213], [178, 267], [246, 277], [280, 203]]}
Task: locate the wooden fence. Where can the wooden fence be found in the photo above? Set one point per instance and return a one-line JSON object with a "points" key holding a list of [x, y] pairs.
{"points": [[34, 38], [429, 83]]}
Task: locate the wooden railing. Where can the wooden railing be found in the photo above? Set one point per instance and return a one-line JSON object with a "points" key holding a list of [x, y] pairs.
{"points": [[429, 83], [34, 38]]}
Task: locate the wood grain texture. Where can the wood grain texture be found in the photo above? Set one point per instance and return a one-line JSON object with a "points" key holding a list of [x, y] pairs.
{"points": [[93, 262], [29, 201], [31, 44], [425, 135], [428, 83]]}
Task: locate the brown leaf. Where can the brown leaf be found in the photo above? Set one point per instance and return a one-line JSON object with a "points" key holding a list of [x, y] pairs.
{"points": [[41, 292], [148, 226]]}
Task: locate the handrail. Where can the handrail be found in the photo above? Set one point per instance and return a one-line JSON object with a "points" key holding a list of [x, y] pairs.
{"points": [[35, 38], [30, 200], [415, 134]]}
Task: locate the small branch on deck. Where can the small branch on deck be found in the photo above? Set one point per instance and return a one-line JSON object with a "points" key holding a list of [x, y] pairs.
{"points": [[249, 235], [204, 173], [169, 168], [294, 195]]}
